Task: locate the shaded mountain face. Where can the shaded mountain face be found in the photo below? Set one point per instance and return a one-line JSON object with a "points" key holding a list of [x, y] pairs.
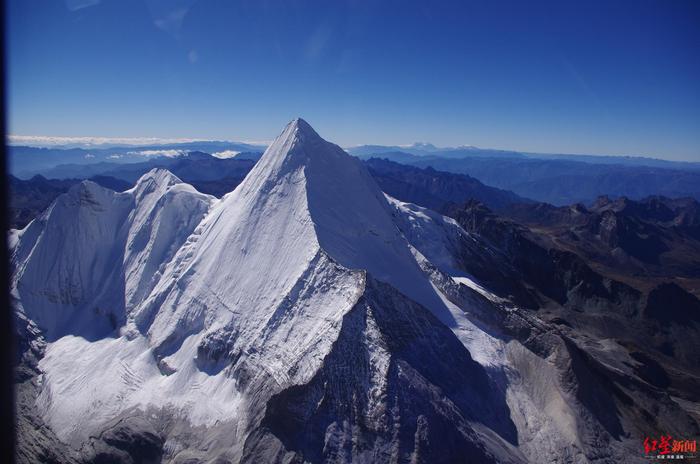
{"points": [[536, 272], [434, 189], [307, 316]]}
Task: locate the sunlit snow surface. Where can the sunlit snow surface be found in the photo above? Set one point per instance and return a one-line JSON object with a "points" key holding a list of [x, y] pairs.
{"points": [[115, 374]]}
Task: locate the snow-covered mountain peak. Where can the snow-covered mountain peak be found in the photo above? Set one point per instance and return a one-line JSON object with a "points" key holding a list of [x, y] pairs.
{"points": [[306, 202], [86, 193], [301, 126], [305, 195], [297, 132], [157, 179], [160, 176], [193, 291], [298, 145]]}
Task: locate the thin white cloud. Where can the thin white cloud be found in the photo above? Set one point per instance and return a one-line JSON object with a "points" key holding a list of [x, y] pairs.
{"points": [[317, 43], [171, 22], [168, 153], [103, 142], [75, 5], [48, 141], [225, 154]]}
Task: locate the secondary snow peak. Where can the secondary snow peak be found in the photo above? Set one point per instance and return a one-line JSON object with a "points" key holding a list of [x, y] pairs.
{"points": [[155, 179], [161, 176]]}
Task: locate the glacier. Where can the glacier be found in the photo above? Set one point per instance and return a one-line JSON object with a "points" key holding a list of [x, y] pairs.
{"points": [[304, 317]]}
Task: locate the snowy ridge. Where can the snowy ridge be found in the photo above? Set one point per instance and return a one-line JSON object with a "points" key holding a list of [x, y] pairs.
{"points": [[75, 264]]}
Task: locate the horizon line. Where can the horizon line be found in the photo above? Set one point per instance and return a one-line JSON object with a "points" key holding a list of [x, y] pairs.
{"points": [[106, 142]]}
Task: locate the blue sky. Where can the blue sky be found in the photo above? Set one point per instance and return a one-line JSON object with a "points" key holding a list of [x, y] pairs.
{"points": [[609, 77]]}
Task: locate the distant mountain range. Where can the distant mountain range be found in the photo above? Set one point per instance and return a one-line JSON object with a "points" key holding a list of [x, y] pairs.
{"points": [[428, 150], [551, 178], [566, 180], [27, 161]]}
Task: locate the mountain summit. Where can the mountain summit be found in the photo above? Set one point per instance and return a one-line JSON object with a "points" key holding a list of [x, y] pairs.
{"points": [[304, 317]]}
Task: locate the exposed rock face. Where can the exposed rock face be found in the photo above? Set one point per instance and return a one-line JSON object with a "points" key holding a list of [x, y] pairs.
{"points": [[308, 317], [558, 275], [131, 440], [656, 237], [36, 442]]}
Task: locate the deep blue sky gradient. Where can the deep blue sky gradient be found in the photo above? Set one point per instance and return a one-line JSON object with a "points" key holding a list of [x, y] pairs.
{"points": [[608, 77]]}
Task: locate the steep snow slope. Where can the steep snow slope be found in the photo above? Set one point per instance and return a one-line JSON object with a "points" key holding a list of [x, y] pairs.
{"points": [[305, 315]]}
